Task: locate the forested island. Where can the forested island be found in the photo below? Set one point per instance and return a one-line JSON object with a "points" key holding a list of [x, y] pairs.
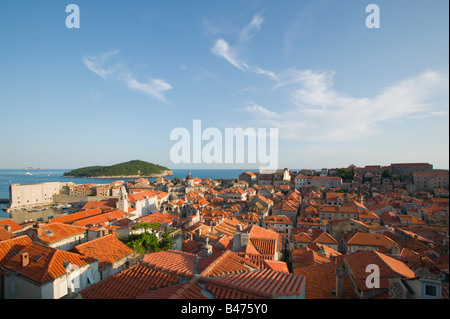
{"points": [[131, 169]]}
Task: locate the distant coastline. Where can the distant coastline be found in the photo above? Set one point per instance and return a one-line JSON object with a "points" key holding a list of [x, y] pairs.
{"points": [[162, 174], [131, 169]]}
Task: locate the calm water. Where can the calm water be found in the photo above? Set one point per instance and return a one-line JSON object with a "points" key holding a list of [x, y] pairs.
{"points": [[19, 176]]}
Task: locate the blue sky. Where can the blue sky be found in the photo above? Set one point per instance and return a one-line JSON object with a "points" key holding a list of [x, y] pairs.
{"points": [[114, 89]]}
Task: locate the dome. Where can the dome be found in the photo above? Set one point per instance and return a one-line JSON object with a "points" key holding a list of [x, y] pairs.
{"points": [[189, 177]]}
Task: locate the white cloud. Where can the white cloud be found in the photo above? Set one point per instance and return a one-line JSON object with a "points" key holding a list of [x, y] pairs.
{"points": [[223, 49], [260, 111], [154, 88], [94, 63], [248, 32], [321, 114]]}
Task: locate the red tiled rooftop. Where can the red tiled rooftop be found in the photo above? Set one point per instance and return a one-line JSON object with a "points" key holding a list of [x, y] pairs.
{"points": [[107, 249], [101, 218], [389, 267], [225, 264], [45, 263], [10, 247], [129, 283], [256, 284], [70, 218], [10, 222], [321, 281], [185, 290], [54, 232], [106, 204], [172, 261]]}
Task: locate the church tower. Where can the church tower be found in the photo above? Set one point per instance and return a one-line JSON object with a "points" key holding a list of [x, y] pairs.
{"points": [[189, 180], [123, 199]]}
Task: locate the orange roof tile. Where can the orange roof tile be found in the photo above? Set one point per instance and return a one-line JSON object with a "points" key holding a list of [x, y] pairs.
{"points": [[106, 204], [10, 247], [255, 284], [70, 218], [225, 263], [133, 198], [107, 249], [130, 283], [388, 266], [101, 218], [45, 263], [54, 232], [321, 281], [185, 290], [370, 239], [14, 226], [173, 262]]}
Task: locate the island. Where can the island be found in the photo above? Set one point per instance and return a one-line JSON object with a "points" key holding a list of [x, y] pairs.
{"points": [[131, 169]]}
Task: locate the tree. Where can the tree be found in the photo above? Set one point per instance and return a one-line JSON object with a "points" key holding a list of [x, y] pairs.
{"points": [[166, 242], [345, 174], [386, 174], [148, 242]]}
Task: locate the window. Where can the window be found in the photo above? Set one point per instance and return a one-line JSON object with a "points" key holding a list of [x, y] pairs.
{"points": [[430, 290]]}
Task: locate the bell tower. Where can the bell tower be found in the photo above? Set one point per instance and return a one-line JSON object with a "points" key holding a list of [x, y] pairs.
{"points": [[123, 199]]}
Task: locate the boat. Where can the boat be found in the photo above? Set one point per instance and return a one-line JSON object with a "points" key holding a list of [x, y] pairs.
{"points": [[28, 173]]}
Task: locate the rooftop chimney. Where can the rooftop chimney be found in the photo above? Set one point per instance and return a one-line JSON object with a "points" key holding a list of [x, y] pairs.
{"points": [[237, 238], [339, 283], [25, 259]]}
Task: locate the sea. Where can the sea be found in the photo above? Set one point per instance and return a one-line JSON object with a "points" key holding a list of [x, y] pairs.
{"points": [[36, 176]]}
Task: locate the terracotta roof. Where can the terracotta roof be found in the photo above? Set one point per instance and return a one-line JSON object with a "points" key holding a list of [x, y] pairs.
{"points": [[275, 265], [133, 198], [255, 284], [173, 262], [107, 249], [304, 256], [186, 290], [228, 226], [101, 218], [389, 268], [225, 264], [54, 232], [321, 281], [45, 263], [70, 218], [106, 204], [129, 283], [158, 218], [4, 234], [14, 226], [370, 239], [10, 247], [278, 219]]}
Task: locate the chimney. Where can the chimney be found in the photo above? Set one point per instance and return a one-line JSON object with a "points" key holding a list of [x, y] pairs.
{"points": [[36, 231], [198, 234], [25, 259], [339, 283], [237, 238], [245, 238]]}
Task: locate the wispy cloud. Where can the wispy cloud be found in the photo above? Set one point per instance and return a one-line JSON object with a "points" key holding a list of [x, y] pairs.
{"points": [[319, 113], [95, 64], [222, 49], [231, 54], [249, 31], [154, 88]]}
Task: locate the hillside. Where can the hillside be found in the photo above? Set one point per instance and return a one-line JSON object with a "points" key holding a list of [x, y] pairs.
{"points": [[130, 169]]}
